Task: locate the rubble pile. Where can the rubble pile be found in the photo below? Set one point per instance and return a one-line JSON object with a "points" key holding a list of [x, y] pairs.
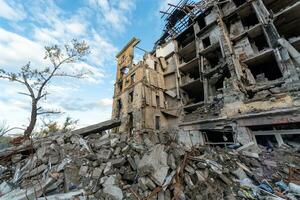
{"points": [[113, 166]]}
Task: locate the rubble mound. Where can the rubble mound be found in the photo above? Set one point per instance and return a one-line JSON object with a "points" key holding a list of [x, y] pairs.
{"points": [[113, 166]]}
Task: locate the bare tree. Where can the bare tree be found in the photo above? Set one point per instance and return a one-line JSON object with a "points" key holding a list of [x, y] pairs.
{"points": [[3, 128], [36, 81]]}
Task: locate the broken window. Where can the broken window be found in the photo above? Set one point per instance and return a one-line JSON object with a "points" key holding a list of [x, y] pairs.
{"points": [[130, 122], [242, 21], [201, 22], [266, 140], [119, 107], [213, 59], [220, 138], [264, 67], [187, 45], [194, 92], [157, 101], [124, 70], [120, 85], [130, 97], [259, 43], [277, 134], [216, 82], [157, 122], [186, 37], [206, 42], [132, 77]]}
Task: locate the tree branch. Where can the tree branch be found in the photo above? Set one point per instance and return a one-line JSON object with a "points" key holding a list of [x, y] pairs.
{"points": [[27, 85], [48, 112], [56, 67], [70, 75], [10, 129], [10, 78], [23, 93]]}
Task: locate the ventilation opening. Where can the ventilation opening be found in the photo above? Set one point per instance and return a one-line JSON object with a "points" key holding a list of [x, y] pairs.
{"points": [[206, 42], [218, 138], [265, 68], [239, 2]]}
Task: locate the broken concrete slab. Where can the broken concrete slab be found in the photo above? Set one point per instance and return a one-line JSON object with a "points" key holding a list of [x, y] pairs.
{"points": [[155, 165], [97, 128]]}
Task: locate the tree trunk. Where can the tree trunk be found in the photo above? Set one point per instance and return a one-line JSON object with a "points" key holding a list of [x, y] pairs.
{"points": [[33, 118]]}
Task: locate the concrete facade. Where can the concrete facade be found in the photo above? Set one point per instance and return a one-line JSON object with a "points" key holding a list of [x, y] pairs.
{"points": [[139, 99], [224, 71]]}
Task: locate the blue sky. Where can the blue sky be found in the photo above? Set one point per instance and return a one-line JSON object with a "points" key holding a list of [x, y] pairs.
{"points": [[26, 26]]}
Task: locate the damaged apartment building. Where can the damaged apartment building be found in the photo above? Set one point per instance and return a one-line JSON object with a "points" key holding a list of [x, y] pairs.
{"points": [[222, 72]]}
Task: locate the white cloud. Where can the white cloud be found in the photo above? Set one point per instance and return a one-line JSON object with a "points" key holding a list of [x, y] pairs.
{"points": [[12, 12], [102, 51], [106, 101], [114, 14], [164, 4], [17, 50]]}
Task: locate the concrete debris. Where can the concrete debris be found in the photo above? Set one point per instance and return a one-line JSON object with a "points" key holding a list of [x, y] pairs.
{"points": [[69, 195], [5, 188], [162, 171]]}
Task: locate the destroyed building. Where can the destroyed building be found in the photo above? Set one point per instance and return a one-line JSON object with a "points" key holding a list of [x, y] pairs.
{"points": [[139, 99], [222, 72]]}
